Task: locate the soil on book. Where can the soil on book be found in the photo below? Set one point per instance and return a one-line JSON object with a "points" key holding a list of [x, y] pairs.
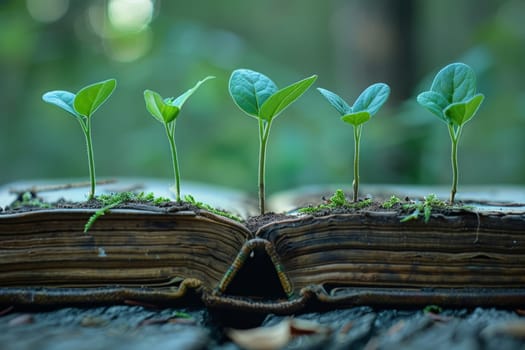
{"points": [[255, 222], [95, 204], [405, 207]]}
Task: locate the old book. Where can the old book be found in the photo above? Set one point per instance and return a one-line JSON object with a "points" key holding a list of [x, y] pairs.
{"points": [[458, 258]]}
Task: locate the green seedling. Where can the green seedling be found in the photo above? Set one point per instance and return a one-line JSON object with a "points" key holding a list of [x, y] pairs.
{"points": [[258, 96], [424, 208], [29, 199], [82, 106], [453, 99], [366, 105], [338, 200], [390, 203], [166, 111]]}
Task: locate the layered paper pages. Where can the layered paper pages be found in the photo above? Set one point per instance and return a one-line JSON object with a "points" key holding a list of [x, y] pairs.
{"points": [[466, 258]]}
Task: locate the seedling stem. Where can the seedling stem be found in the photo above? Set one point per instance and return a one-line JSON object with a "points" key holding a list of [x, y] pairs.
{"points": [[170, 132], [264, 131], [89, 145], [454, 137], [357, 139]]}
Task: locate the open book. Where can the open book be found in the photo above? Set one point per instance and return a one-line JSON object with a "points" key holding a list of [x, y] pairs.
{"points": [[467, 258]]}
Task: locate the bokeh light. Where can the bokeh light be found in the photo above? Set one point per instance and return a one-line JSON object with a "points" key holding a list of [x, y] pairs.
{"points": [[130, 15], [47, 11]]}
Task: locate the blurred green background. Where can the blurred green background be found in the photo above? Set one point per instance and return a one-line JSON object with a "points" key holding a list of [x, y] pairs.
{"points": [[168, 46]]}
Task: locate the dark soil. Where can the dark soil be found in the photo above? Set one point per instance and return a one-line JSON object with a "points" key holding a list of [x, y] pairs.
{"points": [[95, 204], [403, 208], [252, 223], [374, 206], [255, 222]]}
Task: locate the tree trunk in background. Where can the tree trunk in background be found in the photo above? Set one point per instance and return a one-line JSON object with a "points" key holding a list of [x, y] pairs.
{"points": [[374, 41]]}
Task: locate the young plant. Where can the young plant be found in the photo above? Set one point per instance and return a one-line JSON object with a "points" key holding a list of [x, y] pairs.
{"points": [[424, 208], [82, 106], [366, 105], [390, 203], [338, 200], [258, 96], [29, 199], [166, 111], [453, 99]]}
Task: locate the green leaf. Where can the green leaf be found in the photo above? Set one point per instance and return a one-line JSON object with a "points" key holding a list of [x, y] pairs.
{"points": [[356, 118], [452, 96], [337, 102], [281, 99], [461, 112], [62, 99], [161, 109], [455, 82], [372, 99], [91, 97], [250, 89], [179, 101], [434, 102]]}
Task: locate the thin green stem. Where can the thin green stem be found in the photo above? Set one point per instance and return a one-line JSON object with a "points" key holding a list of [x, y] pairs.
{"points": [[357, 138], [454, 137], [171, 138], [264, 131], [86, 127]]}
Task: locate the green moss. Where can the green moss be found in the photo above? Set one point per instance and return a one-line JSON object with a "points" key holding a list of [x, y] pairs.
{"points": [[29, 199], [190, 199], [338, 200], [389, 204], [424, 208], [110, 201], [434, 309]]}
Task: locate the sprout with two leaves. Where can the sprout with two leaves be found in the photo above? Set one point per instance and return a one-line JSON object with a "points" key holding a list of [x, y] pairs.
{"points": [[258, 96], [166, 111], [82, 106], [366, 105], [453, 99]]}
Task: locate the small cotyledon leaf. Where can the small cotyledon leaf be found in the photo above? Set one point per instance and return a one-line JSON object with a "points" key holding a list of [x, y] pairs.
{"points": [[461, 112], [356, 118], [62, 99], [280, 100], [250, 89], [160, 108], [372, 98], [452, 96], [179, 101], [91, 97], [336, 101], [456, 82]]}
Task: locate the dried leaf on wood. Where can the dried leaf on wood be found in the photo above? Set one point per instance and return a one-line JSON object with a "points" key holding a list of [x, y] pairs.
{"points": [[275, 337]]}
